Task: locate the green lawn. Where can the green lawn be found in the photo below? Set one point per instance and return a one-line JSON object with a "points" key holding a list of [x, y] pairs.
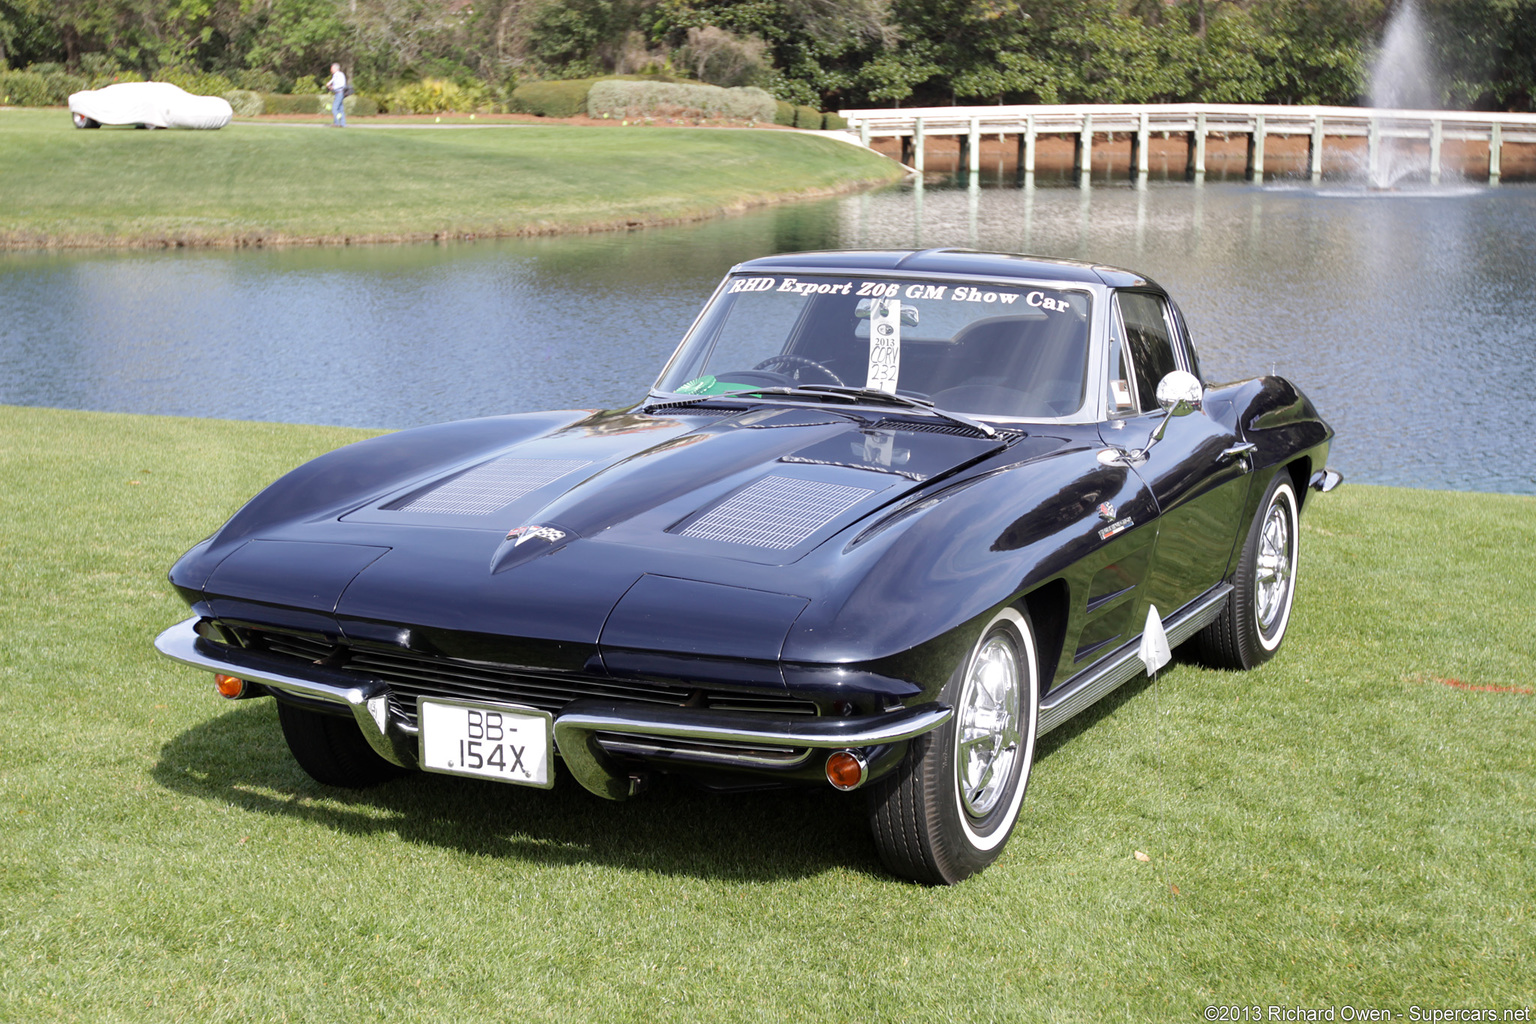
{"points": [[276, 183], [1351, 824]]}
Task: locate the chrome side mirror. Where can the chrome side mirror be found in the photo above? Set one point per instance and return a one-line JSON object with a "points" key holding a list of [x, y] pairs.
{"points": [[1180, 393]]}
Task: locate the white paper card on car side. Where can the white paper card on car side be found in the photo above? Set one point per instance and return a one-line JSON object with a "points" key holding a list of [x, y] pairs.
{"points": [[1154, 651], [884, 345]]}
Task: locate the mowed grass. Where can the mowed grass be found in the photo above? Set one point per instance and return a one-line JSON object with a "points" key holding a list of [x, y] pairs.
{"points": [[1351, 824], [276, 183]]}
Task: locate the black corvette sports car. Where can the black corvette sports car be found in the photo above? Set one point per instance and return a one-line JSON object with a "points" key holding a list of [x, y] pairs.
{"points": [[885, 519]]}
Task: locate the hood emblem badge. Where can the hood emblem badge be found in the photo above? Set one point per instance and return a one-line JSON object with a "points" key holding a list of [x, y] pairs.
{"points": [[523, 534]]}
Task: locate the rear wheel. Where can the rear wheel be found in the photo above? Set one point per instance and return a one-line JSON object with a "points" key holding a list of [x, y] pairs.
{"points": [[332, 749], [81, 121], [948, 809], [1252, 623]]}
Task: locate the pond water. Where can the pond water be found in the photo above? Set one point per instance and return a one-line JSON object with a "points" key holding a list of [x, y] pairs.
{"points": [[1409, 317]]}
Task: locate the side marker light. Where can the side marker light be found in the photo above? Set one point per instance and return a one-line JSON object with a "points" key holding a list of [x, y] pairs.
{"points": [[846, 769], [229, 686]]}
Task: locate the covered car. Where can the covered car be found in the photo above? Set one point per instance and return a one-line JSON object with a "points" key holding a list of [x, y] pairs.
{"points": [[148, 105], [884, 519]]}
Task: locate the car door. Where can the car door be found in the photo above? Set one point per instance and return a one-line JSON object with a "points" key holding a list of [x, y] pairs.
{"points": [[1196, 473]]}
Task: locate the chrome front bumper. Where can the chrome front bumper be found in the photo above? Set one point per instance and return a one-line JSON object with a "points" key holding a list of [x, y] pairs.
{"points": [[578, 726]]}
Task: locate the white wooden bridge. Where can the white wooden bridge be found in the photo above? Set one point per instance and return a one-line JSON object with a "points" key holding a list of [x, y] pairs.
{"points": [[1380, 128]]}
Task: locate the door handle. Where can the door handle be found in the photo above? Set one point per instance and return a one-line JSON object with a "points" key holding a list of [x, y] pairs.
{"points": [[1241, 450]]}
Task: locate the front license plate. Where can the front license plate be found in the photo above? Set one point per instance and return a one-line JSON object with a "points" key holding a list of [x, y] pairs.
{"points": [[489, 741]]}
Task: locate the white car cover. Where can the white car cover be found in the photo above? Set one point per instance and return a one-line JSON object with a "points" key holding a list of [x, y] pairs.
{"points": [[157, 104]]}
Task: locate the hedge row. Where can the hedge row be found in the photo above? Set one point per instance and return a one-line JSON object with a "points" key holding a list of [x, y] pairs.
{"points": [[641, 95], [609, 98], [553, 99], [33, 88], [49, 85], [253, 104], [792, 116]]}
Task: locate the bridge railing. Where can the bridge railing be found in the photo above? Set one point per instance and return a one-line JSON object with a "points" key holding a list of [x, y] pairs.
{"points": [[1197, 121]]}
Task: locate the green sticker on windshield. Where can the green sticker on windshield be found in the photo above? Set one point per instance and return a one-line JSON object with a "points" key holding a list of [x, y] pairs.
{"points": [[697, 386]]}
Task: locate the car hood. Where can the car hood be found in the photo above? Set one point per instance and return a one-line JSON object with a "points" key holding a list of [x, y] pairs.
{"points": [[594, 524], [763, 486]]}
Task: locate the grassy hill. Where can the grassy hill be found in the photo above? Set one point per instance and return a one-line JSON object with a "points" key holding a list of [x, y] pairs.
{"points": [[265, 184]]}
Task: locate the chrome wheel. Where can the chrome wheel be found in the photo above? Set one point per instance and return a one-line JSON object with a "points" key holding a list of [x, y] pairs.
{"points": [[1274, 571], [988, 726], [949, 808], [1251, 625]]}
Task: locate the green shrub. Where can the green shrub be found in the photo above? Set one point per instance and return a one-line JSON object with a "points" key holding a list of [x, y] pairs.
{"points": [[807, 117], [650, 99], [198, 83], [437, 96], [295, 103], [23, 89], [245, 103], [784, 113], [41, 85], [552, 99], [101, 70], [307, 103], [255, 81], [834, 121]]}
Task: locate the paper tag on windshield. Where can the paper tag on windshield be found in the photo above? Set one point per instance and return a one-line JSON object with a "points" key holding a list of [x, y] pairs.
{"points": [[884, 345]]}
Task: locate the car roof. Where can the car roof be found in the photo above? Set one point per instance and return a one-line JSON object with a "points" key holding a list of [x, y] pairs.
{"points": [[951, 262]]}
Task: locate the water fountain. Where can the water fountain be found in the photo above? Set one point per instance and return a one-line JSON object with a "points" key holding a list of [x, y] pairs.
{"points": [[1402, 78]]}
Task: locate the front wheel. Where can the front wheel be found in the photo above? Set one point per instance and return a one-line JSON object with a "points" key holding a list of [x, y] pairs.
{"points": [[332, 750], [1252, 623], [948, 809], [81, 121]]}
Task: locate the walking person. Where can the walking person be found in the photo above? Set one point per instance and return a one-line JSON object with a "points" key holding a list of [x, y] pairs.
{"points": [[338, 87]]}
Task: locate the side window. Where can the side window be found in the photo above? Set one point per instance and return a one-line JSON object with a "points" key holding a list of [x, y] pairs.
{"points": [[1189, 342], [1149, 343], [1122, 393]]}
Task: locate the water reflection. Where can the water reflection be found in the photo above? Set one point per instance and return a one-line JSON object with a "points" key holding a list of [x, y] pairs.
{"points": [[1409, 317]]}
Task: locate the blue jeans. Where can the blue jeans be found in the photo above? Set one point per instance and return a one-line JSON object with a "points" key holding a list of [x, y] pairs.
{"points": [[338, 114]]}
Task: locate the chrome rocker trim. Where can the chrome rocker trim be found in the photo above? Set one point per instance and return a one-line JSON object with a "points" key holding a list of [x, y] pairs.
{"points": [[576, 726], [1119, 668]]}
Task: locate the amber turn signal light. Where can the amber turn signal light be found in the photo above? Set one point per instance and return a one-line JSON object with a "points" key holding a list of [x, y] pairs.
{"points": [[229, 686], [846, 769]]}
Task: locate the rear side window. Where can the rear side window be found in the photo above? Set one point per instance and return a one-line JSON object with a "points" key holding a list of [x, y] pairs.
{"points": [[1148, 344]]}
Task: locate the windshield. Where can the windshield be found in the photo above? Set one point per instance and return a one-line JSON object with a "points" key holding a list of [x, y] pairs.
{"points": [[983, 349]]}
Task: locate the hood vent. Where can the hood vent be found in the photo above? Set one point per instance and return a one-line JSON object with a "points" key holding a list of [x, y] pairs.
{"points": [[930, 427], [488, 487], [776, 512]]}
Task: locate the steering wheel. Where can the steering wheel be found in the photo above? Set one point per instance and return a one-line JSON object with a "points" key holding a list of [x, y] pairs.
{"points": [[785, 360]]}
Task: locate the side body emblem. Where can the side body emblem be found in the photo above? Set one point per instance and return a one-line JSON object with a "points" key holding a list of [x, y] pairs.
{"points": [[1118, 526]]}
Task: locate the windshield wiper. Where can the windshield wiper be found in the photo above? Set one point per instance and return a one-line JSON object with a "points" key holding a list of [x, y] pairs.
{"points": [[876, 395], [834, 391]]}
